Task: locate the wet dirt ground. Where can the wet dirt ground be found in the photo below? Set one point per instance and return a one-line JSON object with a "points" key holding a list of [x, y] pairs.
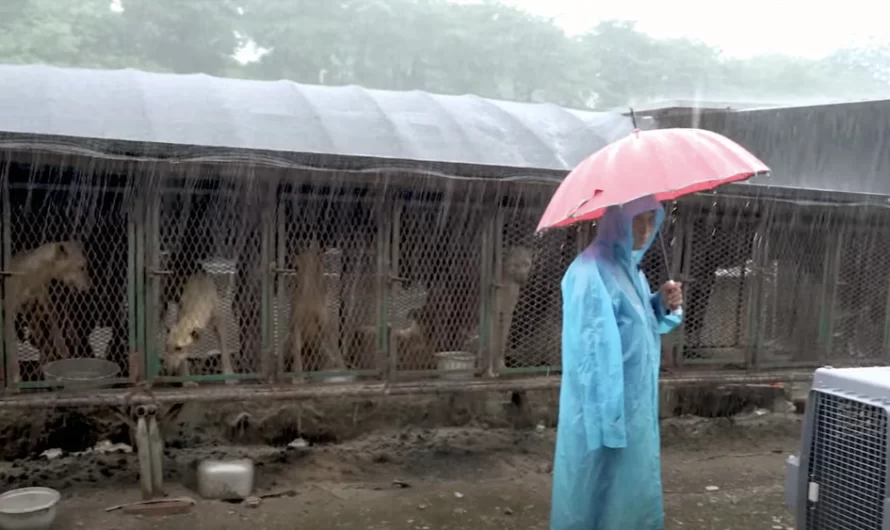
{"points": [[718, 475]]}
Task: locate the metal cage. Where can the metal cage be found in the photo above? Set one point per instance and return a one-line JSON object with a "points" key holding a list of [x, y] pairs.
{"points": [[326, 310], [206, 281], [840, 479], [68, 259], [526, 323], [435, 282]]}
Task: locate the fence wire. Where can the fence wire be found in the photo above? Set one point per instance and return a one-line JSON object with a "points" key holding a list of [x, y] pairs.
{"points": [[527, 303], [252, 282], [66, 263], [717, 268], [434, 300], [206, 267], [325, 311]]}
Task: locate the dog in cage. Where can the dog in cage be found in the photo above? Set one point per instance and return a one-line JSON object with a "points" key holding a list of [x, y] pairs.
{"points": [[199, 312], [311, 330], [514, 275], [412, 342], [28, 290], [46, 324]]}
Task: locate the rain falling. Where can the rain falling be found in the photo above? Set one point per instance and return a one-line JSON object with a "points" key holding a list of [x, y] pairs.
{"points": [[258, 231]]}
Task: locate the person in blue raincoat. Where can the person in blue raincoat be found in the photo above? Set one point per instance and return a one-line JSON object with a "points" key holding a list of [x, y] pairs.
{"points": [[607, 467]]}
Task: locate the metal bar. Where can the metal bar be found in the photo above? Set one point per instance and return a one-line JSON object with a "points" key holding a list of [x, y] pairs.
{"points": [[136, 276], [67, 187], [363, 390], [394, 262], [583, 237], [132, 273], [533, 370], [206, 378], [9, 340], [42, 385], [281, 332], [755, 297], [153, 288], [497, 349], [382, 286], [824, 310], [485, 279], [140, 232], [688, 223], [886, 355], [840, 237], [675, 338], [267, 259], [327, 374], [4, 256]]}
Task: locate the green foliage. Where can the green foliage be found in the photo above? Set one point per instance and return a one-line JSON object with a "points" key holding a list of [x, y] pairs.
{"points": [[487, 48]]}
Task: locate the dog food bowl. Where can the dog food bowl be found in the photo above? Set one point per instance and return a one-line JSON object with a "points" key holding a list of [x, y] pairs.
{"points": [[28, 509], [456, 365], [81, 373]]}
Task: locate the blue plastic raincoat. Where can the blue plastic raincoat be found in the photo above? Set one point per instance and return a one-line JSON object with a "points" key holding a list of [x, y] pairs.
{"points": [[607, 469]]}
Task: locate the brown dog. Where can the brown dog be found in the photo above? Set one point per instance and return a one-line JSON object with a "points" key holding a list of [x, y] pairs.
{"points": [[199, 307], [31, 273]]}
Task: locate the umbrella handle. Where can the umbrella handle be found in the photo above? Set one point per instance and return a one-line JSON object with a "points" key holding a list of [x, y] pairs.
{"points": [[664, 254]]}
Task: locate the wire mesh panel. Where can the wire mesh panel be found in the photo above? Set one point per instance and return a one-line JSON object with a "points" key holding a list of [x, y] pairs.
{"points": [[205, 265], [859, 312], [434, 299], [66, 260], [848, 461], [717, 267], [794, 296], [325, 311], [527, 302]]}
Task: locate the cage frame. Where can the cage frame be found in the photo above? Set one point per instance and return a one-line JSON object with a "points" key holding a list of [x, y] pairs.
{"points": [[131, 288]]}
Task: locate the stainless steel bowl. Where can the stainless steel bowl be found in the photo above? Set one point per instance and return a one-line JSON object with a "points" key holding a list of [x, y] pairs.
{"points": [[28, 509], [225, 479], [81, 372]]}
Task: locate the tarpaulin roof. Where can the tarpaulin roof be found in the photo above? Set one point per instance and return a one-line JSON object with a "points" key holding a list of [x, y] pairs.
{"points": [[836, 149], [144, 110]]}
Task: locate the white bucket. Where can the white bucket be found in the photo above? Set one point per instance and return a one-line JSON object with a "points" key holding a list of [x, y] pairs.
{"points": [[456, 365]]}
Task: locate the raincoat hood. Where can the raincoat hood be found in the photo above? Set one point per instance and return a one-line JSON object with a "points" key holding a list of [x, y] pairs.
{"points": [[615, 228]]}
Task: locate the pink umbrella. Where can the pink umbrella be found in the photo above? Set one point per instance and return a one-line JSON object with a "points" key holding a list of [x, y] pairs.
{"points": [[667, 163]]}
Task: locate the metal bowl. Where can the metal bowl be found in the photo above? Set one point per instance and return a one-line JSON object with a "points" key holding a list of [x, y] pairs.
{"points": [[456, 365], [28, 509], [81, 373], [226, 479]]}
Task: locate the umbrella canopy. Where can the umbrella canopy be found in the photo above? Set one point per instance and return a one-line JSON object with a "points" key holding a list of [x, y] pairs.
{"points": [[667, 163]]}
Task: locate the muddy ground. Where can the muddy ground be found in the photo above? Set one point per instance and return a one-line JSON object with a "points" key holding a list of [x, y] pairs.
{"points": [[479, 470]]}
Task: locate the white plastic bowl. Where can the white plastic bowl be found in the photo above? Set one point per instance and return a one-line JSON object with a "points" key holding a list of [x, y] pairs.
{"points": [[28, 509]]}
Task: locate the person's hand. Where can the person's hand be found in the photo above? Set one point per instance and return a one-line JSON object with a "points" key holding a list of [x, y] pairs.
{"points": [[672, 295]]}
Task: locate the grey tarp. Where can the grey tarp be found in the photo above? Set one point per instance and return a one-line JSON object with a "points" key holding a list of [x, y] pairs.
{"points": [[836, 149], [151, 109]]}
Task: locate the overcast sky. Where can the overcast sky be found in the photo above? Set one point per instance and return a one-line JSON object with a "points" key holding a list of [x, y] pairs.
{"points": [[740, 28]]}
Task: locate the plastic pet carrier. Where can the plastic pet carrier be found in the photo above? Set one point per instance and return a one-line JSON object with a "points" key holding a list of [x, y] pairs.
{"points": [[839, 481]]}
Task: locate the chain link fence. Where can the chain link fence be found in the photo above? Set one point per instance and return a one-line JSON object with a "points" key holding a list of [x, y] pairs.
{"points": [[716, 271], [204, 286], [249, 281], [65, 251], [325, 308], [434, 298], [527, 302]]}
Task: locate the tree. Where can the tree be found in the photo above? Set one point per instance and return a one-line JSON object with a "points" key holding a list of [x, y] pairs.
{"points": [[174, 35], [489, 49], [60, 32]]}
